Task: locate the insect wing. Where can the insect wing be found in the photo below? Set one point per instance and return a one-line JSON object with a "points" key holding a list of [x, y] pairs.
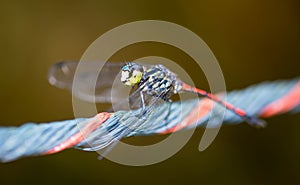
{"points": [[135, 121], [90, 81]]}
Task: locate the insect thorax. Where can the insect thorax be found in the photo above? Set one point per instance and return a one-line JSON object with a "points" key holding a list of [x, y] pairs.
{"points": [[159, 81]]}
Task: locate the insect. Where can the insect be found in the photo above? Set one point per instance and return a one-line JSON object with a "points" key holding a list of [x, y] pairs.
{"points": [[151, 85], [160, 82]]}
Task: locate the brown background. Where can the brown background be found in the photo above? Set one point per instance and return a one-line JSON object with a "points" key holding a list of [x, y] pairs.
{"points": [[252, 40]]}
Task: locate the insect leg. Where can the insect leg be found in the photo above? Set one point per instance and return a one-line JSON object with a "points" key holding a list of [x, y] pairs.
{"points": [[142, 100]]}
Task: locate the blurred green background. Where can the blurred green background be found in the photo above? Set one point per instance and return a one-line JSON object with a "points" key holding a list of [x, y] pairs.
{"points": [[253, 41]]}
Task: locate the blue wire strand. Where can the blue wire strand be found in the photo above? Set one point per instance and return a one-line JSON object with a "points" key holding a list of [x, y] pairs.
{"points": [[33, 139]]}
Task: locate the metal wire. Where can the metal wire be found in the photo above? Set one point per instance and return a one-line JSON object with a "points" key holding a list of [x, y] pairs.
{"points": [[34, 139], [265, 99]]}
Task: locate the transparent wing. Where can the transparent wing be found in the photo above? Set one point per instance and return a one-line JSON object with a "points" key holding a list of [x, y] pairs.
{"points": [[106, 88], [90, 81], [133, 122]]}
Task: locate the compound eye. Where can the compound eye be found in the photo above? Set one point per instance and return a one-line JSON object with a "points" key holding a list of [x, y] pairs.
{"points": [[125, 67]]}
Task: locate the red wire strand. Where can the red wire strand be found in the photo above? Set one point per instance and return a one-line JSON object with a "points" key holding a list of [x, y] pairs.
{"points": [[93, 124]]}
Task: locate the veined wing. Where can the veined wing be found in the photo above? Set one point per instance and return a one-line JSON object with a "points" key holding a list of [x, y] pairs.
{"points": [[90, 81], [127, 125]]}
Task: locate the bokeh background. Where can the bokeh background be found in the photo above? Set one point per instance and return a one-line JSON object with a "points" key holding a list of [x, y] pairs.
{"points": [[253, 41]]}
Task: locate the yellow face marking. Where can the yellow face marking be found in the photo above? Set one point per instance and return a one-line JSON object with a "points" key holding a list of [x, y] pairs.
{"points": [[135, 78]]}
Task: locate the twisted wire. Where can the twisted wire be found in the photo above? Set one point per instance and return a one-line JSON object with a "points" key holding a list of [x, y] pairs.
{"points": [[31, 139]]}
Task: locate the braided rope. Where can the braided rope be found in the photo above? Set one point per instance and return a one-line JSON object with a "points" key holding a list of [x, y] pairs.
{"points": [[264, 100]]}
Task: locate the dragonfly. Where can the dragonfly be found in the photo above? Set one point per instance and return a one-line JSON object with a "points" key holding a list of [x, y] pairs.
{"points": [[150, 85]]}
